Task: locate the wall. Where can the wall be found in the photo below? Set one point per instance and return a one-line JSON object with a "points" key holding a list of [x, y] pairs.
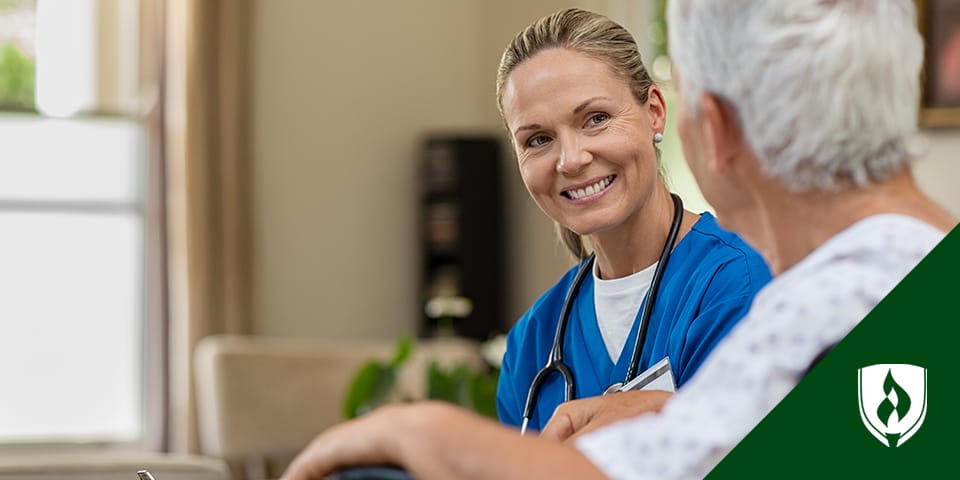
{"points": [[939, 171], [342, 92]]}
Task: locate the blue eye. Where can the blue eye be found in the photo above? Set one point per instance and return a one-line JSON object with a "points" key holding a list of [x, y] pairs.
{"points": [[537, 140], [597, 119]]}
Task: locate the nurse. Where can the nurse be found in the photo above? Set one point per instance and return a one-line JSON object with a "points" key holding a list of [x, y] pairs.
{"points": [[584, 118]]}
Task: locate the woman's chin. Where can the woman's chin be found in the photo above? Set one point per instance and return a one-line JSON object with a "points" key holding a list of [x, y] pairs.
{"points": [[586, 229]]}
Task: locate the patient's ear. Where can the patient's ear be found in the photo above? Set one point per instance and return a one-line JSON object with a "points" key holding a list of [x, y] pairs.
{"points": [[722, 132]]}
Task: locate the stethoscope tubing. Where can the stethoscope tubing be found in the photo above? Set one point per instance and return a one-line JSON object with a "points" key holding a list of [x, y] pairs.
{"points": [[555, 358], [655, 282]]}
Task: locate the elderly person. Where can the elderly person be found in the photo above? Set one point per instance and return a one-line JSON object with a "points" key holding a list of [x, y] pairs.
{"points": [[813, 170]]}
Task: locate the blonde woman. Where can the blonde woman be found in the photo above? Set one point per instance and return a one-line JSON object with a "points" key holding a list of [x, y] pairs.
{"points": [[662, 283]]}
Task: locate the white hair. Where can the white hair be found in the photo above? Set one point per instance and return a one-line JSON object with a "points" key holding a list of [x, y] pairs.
{"points": [[826, 91]]}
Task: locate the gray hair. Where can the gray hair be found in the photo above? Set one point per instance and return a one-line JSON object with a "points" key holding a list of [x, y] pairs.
{"points": [[826, 91]]}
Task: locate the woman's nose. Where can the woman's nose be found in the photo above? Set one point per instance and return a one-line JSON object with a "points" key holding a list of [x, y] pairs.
{"points": [[573, 157]]}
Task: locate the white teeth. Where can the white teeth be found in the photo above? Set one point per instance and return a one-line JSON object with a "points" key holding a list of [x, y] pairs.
{"points": [[590, 190]]}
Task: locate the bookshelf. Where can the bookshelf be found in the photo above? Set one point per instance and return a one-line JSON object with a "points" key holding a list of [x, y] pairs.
{"points": [[462, 237]]}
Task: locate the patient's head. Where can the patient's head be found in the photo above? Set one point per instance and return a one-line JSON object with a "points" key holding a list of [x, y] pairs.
{"points": [[826, 91]]}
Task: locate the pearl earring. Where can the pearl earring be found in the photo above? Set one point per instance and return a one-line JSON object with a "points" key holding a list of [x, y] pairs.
{"points": [[657, 137]]}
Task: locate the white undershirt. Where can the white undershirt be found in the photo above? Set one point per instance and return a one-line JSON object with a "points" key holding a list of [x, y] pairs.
{"points": [[617, 302]]}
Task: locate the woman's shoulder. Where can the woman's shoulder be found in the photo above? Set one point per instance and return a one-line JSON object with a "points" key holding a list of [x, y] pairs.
{"points": [[543, 313], [716, 252], [711, 242]]}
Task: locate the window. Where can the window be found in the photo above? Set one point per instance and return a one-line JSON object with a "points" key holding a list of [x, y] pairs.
{"points": [[72, 224]]}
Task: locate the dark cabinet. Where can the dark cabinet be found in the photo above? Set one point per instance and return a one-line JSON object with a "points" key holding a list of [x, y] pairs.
{"points": [[462, 237]]}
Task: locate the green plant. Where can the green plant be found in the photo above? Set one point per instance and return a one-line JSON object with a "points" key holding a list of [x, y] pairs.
{"points": [[6, 5], [375, 382], [17, 76], [459, 385]]}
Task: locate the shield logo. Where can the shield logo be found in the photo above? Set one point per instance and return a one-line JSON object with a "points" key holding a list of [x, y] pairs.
{"points": [[893, 401]]}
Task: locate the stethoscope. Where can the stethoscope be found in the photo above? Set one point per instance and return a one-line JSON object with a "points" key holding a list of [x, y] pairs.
{"points": [[555, 358]]}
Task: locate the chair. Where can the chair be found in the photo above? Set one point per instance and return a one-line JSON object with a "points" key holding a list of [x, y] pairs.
{"points": [[261, 400]]}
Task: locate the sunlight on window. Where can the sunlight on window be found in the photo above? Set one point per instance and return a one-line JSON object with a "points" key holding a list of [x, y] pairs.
{"points": [[66, 56], [72, 233], [71, 290], [68, 160], [72, 279]]}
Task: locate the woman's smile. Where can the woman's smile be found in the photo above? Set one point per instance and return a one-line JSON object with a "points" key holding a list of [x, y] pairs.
{"points": [[588, 191]]}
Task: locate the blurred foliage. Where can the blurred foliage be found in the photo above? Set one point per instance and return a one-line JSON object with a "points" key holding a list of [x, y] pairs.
{"points": [[374, 384], [17, 75], [461, 386], [658, 28], [6, 5]]}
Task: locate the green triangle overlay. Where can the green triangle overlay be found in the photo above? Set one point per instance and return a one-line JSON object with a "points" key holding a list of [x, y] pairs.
{"points": [[816, 431]]}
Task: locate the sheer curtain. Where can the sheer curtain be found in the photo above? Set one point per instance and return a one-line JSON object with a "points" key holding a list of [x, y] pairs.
{"points": [[205, 122]]}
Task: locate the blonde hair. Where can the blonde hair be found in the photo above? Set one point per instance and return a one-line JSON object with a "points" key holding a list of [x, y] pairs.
{"points": [[588, 33]]}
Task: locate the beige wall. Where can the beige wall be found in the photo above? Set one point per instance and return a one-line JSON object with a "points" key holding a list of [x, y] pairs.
{"points": [[939, 172], [342, 92]]}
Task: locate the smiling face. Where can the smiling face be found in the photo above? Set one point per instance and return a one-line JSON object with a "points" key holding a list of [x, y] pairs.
{"points": [[584, 143]]}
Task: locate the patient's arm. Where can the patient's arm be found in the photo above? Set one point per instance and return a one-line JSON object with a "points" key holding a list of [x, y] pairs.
{"points": [[435, 440]]}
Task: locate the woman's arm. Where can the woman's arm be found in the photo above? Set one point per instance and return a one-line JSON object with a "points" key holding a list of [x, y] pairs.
{"points": [[578, 417], [434, 440]]}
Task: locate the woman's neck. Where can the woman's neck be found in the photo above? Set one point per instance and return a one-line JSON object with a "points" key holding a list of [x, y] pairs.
{"points": [[638, 242]]}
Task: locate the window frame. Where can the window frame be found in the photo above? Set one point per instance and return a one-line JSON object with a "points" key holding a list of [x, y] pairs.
{"points": [[150, 206]]}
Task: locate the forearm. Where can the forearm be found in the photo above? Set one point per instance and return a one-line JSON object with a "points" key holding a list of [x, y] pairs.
{"points": [[445, 442]]}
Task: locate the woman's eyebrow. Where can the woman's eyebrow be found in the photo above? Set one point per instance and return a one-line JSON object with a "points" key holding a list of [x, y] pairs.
{"points": [[579, 108], [532, 126], [587, 103]]}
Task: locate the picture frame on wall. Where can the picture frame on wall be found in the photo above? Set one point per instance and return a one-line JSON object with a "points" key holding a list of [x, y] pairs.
{"points": [[939, 25]]}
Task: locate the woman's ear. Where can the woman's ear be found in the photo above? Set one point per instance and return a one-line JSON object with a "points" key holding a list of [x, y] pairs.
{"points": [[657, 108], [722, 134]]}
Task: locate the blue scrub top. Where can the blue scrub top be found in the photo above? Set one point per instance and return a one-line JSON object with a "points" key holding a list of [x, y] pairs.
{"points": [[708, 285]]}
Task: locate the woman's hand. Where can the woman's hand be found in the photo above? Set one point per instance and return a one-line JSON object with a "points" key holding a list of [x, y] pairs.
{"points": [[577, 417]]}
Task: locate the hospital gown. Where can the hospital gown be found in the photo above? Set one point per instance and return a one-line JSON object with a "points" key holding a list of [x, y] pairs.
{"points": [[808, 308]]}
